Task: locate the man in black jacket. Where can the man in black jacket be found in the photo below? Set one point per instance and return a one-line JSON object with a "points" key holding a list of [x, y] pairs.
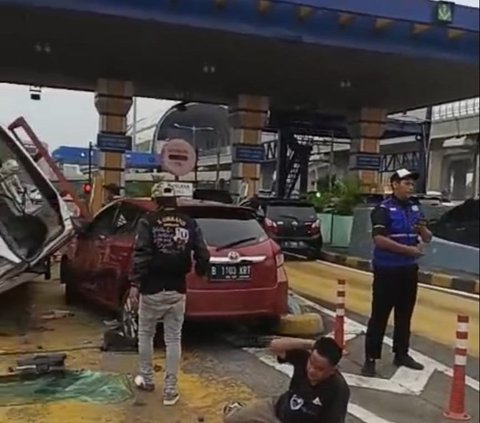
{"points": [[317, 391], [162, 258]]}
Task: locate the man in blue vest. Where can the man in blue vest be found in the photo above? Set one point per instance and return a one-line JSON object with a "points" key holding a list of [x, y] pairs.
{"points": [[397, 227]]}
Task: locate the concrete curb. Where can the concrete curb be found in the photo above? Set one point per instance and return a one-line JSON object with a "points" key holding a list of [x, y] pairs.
{"points": [[472, 286]]}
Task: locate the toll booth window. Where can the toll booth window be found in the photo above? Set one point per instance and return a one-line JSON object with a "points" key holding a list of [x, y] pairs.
{"points": [[29, 209]]}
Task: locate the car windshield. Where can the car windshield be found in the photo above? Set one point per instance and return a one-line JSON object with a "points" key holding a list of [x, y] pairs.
{"points": [[231, 231], [28, 204], [303, 213]]}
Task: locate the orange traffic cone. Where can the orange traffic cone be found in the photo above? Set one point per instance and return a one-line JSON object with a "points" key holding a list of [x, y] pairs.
{"points": [[456, 406]]}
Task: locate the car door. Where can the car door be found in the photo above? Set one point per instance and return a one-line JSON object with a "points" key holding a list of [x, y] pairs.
{"points": [[92, 246], [34, 220], [112, 276]]}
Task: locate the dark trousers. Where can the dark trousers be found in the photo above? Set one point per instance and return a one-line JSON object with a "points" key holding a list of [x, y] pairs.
{"points": [[393, 288]]}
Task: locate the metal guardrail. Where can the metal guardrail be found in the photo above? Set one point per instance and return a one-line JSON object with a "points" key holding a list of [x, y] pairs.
{"points": [[462, 108]]}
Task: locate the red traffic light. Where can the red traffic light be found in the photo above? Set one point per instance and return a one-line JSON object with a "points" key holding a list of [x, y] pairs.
{"points": [[87, 188]]}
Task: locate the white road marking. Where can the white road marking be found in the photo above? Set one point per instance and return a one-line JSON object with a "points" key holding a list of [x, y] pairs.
{"points": [[385, 385], [364, 415], [423, 285], [412, 380]]}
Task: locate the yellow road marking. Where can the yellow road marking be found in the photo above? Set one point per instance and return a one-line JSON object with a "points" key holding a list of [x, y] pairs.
{"points": [[435, 313]]}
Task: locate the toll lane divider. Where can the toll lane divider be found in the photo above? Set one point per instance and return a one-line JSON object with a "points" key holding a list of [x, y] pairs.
{"points": [[471, 286]]}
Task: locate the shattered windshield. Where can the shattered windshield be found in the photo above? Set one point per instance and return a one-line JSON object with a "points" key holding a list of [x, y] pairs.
{"points": [[29, 208]]}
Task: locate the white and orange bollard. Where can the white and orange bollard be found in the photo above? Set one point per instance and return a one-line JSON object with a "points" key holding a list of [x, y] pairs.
{"points": [[339, 329], [456, 406]]}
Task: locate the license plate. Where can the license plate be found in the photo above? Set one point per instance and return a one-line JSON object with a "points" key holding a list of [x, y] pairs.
{"points": [[291, 244], [230, 272]]}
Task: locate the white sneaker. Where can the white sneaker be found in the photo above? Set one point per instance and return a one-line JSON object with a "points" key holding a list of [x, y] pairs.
{"points": [[232, 408], [170, 397], [141, 384]]}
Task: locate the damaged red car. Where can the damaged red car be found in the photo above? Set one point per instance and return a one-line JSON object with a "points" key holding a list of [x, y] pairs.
{"points": [[247, 279]]}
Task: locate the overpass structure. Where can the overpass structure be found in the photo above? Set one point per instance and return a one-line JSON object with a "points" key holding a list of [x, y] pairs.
{"points": [[452, 151], [356, 60]]}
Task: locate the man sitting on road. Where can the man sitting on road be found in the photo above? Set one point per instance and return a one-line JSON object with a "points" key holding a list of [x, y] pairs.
{"points": [[164, 245], [318, 392]]}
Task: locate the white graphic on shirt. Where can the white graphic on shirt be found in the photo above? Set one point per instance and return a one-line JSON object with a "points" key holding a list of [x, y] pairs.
{"points": [[317, 401], [296, 403], [182, 236]]}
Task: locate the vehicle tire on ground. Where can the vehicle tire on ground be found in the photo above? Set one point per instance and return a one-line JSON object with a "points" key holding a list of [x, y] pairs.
{"points": [[304, 325], [71, 296], [48, 269], [128, 318]]}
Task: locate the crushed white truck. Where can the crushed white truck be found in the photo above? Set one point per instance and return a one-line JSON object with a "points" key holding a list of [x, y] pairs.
{"points": [[34, 220]]}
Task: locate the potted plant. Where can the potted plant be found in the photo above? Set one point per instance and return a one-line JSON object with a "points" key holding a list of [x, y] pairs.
{"points": [[346, 197], [322, 202]]}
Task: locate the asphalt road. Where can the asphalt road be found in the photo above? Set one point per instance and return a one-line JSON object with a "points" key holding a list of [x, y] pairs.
{"points": [[216, 370]]}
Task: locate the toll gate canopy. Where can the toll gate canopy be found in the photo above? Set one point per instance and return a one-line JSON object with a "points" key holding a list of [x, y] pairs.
{"points": [[304, 54]]}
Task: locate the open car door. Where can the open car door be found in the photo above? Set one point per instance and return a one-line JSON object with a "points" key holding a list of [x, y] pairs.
{"points": [[34, 221]]}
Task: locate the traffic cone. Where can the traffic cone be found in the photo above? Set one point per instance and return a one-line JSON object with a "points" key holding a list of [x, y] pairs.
{"points": [[456, 405], [339, 329]]}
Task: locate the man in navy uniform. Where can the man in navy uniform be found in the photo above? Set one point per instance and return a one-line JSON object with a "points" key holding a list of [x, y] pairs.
{"points": [[397, 225]]}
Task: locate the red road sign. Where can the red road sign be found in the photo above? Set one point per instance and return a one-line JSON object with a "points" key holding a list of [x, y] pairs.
{"points": [[178, 157]]}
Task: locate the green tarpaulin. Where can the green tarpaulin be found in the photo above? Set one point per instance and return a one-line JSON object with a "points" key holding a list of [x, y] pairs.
{"points": [[83, 386]]}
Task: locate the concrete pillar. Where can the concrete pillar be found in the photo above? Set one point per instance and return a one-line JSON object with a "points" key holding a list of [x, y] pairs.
{"points": [[458, 170], [113, 100], [366, 128], [435, 179], [247, 119]]}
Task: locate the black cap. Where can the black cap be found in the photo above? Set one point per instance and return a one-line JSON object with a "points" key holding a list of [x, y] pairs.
{"points": [[401, 174]]}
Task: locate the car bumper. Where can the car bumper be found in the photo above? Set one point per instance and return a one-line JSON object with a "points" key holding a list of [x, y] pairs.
{"points": [[237, 303]]}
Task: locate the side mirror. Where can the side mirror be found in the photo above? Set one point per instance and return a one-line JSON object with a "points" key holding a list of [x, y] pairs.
{"points": [[80, 225]]}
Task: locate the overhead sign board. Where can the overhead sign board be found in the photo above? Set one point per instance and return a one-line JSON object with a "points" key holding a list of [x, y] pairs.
{"points": [[114, 142], [178, 157], [249, 153], [366, 162]]}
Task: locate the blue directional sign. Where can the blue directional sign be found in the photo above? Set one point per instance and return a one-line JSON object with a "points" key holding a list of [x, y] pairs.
{"points": [[114, 142], [367, 162], [249, 153]]}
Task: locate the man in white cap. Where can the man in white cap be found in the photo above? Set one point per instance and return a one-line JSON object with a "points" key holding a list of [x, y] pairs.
{"points": [[164, 244], [398, 225]]}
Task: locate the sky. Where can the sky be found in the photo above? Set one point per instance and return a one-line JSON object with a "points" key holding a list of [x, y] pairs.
{"points": [[65, 117]]}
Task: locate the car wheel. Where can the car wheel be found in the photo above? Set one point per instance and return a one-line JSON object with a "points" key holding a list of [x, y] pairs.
{"points": [[48, 269], [71, 296], [128, 319], [267, 325], [318, 250]]}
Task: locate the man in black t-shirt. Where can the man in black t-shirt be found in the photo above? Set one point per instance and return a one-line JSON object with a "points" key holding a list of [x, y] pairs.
{"points": [[318, 392]]}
